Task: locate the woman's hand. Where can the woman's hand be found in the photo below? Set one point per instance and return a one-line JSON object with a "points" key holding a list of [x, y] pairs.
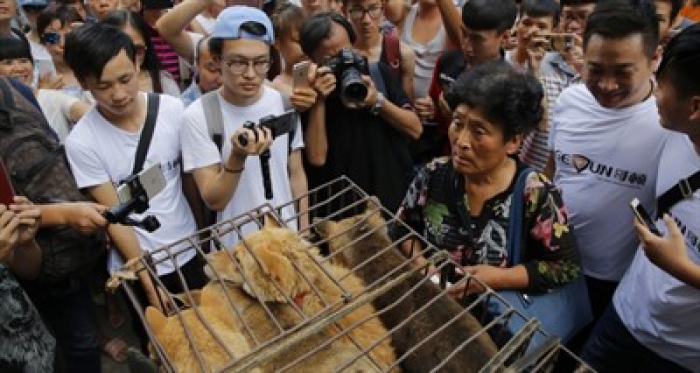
{"points": [[324, 82], [303, 98], [29, 217], [9, 233], [485, 273]]}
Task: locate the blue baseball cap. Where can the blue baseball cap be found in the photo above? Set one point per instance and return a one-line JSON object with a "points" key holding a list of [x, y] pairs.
{"points": [[33, 3], [228, 24]]}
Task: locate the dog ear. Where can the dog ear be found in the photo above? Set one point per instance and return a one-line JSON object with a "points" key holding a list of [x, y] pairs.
{"points": [[270, 220], [372, 204], [156, 319]]}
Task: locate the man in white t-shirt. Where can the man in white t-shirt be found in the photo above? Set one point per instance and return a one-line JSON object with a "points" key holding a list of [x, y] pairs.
{"points": [[102, 152], [654, 323], [606, 141], [230, 179]]}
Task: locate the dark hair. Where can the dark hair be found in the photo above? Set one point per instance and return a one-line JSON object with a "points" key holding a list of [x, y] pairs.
{"points": [[122, 18], [676, 6], [63, 13], [317, 28], [508, 98], [563, 3], [496, 15], [90, 47], [287, 17], [216, 45], [13, 48], [680, 62], [622, 18], [541, 8]]}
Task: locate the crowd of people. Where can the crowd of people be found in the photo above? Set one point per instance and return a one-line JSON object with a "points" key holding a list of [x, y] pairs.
{"points": [[434, 106]]}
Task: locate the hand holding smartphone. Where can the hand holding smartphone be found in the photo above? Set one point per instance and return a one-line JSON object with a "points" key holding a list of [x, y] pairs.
{"points": [[643, 216], [7, 192], [300, 74]]}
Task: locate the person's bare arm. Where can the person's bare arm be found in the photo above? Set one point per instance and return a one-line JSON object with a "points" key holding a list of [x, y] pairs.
{"points": [[403, 120], [452, 20], [77, 110], [300, 187], [196, 27], [218, 183], [172, 25], [408, 67], [125, 240], [82, 216]]}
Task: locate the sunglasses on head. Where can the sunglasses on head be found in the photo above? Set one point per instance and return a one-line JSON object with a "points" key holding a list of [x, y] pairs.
{"points": [[51, 38]]}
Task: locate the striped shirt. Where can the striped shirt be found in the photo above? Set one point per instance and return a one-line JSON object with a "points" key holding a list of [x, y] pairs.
{"points": [[168, 58]]}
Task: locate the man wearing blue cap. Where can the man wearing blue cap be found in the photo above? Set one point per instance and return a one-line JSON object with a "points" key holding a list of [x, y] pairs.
{"points": [[228, 173]]}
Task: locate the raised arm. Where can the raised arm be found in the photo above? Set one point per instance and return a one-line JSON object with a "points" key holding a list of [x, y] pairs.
{"points": [[172, 25]]}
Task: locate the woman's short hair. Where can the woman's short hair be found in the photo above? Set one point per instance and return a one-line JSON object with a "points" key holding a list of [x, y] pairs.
{"points": [[13, 48], [318, 27], [286, 18], [508, 98]]}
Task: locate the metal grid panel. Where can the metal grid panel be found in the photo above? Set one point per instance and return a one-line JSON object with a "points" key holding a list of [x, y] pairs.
{"points": [[426, 330]]}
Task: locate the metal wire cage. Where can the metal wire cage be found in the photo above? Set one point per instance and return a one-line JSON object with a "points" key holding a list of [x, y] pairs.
{"points": [[245, 330]]}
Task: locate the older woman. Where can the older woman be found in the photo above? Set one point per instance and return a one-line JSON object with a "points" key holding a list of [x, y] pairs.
{"points": [[461, 203]]}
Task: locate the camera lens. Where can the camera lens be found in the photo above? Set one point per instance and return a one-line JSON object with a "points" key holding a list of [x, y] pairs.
{"points": [[352, 87]]}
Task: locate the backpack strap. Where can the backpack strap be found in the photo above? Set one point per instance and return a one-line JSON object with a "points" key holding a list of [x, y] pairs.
{"points": [[376, 74], [515, 223], [392, 50], [213, 117], [684, 189], [153, 103]]}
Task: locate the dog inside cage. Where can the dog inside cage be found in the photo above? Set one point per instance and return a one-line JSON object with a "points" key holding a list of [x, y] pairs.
{"points": [[337, 295]]}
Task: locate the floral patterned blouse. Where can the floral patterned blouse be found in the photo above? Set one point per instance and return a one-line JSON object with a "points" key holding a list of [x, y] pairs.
{"points": [[437, 207]]}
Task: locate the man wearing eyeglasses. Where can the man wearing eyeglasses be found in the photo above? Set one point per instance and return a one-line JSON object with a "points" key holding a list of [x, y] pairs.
{"points": [[229, 179]]}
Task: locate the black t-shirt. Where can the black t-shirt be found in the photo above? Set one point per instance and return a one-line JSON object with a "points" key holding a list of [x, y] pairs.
{"points": [[367, 149]]}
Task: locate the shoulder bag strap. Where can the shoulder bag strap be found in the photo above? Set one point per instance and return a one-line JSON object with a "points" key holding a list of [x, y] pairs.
{"points": [[684, 189], [376, 74], [515, 219], [392, 48], [213, 117], [153, 102]]}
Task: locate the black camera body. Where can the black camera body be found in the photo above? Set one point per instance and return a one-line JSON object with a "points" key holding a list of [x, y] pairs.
{"points": [[348, 68]]}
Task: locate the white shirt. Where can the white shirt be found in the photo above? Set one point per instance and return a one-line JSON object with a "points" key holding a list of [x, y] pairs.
{"points": [[605, 158], [660, 311], [199, 151], [99, 152], [56, 106]]}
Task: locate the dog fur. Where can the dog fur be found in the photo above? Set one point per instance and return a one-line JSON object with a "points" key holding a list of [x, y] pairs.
{"points": [[172, 336], [276, 255], [433, 352]]}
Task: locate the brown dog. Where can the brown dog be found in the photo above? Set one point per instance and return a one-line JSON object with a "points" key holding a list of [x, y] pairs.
{"points": [[271, 263], [421, 324]]}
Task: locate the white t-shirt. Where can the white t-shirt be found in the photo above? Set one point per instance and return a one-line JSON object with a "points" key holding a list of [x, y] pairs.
{"points": [[660, 311], [56, 107], [605, 158], [99, 153], [199, 150]]}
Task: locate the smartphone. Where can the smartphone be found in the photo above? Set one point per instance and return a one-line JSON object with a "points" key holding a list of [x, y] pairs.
{"points": [[643, 216], [300, 74], [7, 192], [151, 179]]}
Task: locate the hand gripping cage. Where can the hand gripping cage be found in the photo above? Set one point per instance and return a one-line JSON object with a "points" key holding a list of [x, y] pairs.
{"points": [[427, 330]]}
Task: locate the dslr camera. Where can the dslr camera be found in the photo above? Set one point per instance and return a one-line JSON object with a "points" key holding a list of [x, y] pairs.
{"points": [[348, 68]]}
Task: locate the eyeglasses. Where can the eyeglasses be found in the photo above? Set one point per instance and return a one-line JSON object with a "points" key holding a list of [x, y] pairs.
{"points": [[51, 37], [359, 13], [240, 66]]}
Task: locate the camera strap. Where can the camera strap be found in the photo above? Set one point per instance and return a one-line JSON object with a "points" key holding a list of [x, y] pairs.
{"points": [[152, 103], [684, 189], [376, 74]]}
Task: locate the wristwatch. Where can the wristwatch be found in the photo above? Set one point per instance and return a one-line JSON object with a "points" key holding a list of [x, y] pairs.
{"points": [[377, 107]]}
